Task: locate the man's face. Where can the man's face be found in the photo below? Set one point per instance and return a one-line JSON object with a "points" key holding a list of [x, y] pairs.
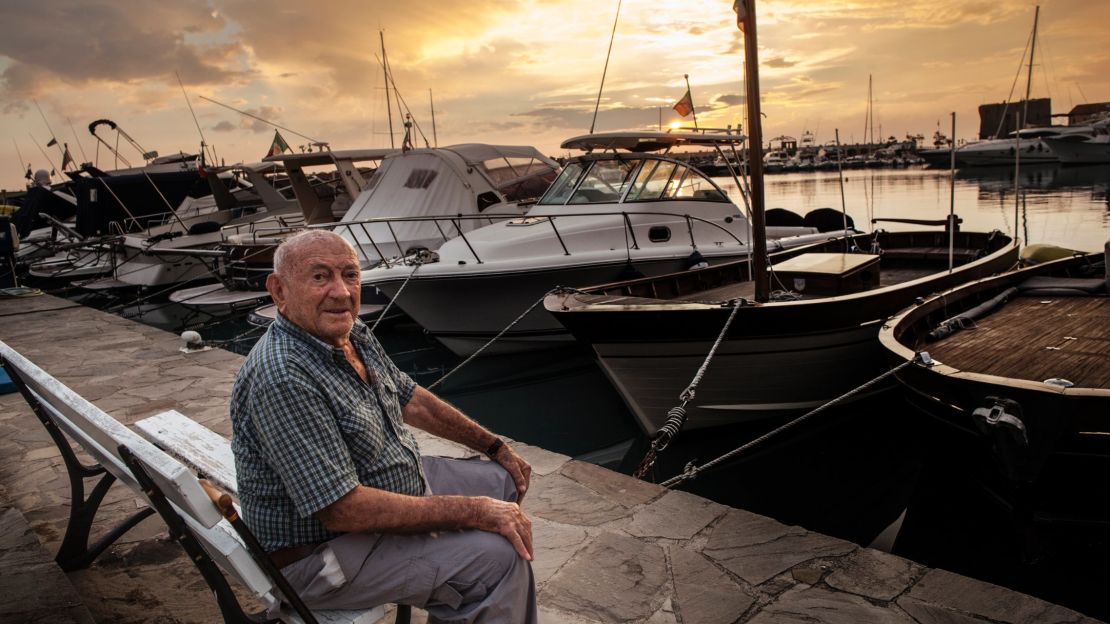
{"points": [[320, 294]]}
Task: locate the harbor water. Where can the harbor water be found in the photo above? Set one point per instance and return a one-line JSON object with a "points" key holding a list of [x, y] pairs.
{"points": [[861, 471]]}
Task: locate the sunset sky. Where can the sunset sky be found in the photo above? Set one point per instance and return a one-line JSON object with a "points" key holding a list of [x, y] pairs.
{"points": [[517, 72]]}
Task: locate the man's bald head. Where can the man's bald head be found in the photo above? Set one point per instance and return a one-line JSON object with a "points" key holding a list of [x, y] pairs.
{"points": [[287, 254]]}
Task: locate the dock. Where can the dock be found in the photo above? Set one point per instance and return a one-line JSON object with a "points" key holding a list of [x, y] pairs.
{"points": [[609, 548]]}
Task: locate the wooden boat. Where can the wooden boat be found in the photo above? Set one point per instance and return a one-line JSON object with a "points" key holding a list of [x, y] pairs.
{"points": [[1018, 376], [811, 343]]}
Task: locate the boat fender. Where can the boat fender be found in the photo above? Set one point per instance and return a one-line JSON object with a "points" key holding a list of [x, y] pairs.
{"points": [[999, 421], [695, 261]]}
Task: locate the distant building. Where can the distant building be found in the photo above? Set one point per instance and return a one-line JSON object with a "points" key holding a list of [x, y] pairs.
{"points": [[1086, 113], [995, 116]]}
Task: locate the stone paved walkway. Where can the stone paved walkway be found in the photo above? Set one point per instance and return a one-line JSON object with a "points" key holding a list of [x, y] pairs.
{"points": [[609, 548]]}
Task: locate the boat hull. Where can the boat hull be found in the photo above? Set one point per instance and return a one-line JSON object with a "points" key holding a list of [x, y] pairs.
{"points": [[777, 359], [494, 300], [1043, 476]]}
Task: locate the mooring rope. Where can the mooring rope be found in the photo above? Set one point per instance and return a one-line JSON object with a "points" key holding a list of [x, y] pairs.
{"points": [[389, 305], [676, 416], [692, 471], [557, 289]]}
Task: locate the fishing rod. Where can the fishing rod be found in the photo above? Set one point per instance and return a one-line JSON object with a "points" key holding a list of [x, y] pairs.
{"points": [[203, 143], [44, 155], [79, 144], [265, 121], [26, 172], [53, 137]]}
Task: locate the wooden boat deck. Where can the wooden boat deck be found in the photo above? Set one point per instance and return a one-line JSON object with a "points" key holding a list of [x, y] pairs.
{"points": [[1036, 338]]}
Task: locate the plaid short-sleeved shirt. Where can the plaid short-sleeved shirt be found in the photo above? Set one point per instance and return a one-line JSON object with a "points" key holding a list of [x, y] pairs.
{"points": [[306, 430]]}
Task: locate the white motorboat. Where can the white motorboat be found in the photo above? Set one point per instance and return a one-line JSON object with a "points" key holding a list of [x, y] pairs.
{"points": [[1030, 142], [626, 207], [466, 180], [1083, 150]]}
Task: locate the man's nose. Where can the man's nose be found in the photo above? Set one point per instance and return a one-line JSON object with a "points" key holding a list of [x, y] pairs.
{"points": [[339, 288]]}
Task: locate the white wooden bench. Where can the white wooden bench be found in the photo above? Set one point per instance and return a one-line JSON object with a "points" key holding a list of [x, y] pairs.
{"points": [[168, 486]]}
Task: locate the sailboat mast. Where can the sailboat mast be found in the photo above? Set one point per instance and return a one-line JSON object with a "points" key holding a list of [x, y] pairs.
{"points": [[385, 71], [755, 156], [1029, 76]]}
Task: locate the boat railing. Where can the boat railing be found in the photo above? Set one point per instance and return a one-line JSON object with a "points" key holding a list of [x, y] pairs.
{"points": [[262, 230], [451, 227]]}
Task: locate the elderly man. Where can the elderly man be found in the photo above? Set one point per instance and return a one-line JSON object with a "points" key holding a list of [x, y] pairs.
{"points": [[332, 482]]}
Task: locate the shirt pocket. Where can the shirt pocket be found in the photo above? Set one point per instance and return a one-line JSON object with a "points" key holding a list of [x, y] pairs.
{"points": [[362, 428]]}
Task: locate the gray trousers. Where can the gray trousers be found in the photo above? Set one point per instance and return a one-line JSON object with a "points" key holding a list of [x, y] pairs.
{"points": [[457, 576]]}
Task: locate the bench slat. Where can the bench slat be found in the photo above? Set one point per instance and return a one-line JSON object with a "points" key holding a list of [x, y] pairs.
{"points": [[197, 446]]}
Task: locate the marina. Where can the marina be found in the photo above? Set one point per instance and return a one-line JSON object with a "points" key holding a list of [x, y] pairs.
{"points": [[841, 378], [609, 548]]}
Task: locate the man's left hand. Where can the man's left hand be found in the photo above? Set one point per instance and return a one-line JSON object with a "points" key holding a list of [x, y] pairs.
{"points": [[518, 469]]}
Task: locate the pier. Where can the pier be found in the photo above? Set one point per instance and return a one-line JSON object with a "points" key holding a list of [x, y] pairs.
{"points": [[609, 548]]}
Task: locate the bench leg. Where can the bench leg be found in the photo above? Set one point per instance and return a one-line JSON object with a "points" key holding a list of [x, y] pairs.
{"points": [[404, 614], [74, 553], [229, 605]]}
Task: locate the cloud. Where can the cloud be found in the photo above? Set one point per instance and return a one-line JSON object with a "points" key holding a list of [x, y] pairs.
{"points": [[779, 63], [224, 126], [731, 99], [125, 41]]}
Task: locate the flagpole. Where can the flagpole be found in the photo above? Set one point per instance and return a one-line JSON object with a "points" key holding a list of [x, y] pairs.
{"points": [[692, 109], [755, 151]]}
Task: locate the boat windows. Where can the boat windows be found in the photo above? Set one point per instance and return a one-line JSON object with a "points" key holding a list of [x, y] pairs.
{"points": [[652, 183], [659, 234], [606, 182], [420, 178], [564, 185]]}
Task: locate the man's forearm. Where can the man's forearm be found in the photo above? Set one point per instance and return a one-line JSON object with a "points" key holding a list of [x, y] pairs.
{"points": [[428, 412], [370, 510]]}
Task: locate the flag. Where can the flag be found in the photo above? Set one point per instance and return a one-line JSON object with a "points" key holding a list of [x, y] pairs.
{"points": [[66, 158], [29, 175], [279, 146], [52, 142], [685, 106], [741, 8]]}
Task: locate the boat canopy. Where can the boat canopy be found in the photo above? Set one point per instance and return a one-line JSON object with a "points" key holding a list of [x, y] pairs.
{"points": [[434, 182], [650, 141]]}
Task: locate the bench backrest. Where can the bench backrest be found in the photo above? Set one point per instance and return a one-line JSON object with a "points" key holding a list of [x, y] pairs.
{"points": [[100, 436]]}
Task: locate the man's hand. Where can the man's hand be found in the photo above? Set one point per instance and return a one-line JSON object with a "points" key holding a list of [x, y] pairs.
{"points": [[518, 469], [509, 521]]}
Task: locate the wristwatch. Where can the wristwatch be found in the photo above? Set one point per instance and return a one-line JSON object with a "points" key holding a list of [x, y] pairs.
{"points": [[491, 452]]}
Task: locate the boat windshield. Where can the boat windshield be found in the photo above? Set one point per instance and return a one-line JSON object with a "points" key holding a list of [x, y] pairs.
{"points": [[633, 179]]}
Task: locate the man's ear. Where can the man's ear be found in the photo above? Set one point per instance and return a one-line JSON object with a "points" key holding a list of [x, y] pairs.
{"points": [[277, 290]]}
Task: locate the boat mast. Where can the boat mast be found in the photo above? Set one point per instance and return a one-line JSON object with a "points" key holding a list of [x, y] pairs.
{"points": [[746, 17], [1029, 77], [385, 71]]}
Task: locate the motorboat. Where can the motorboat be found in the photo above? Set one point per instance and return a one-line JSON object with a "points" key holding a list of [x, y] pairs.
{"points": [[1080, 149], [1014, 373], [814, 340], [1029, 145], [625, 207], [465, 182]]}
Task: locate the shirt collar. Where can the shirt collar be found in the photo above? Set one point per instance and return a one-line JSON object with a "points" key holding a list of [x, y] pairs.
{"points": [[360, 334]]}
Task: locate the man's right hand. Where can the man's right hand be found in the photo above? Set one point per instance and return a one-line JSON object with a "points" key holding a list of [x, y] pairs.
{"points": [[508, 520]]}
